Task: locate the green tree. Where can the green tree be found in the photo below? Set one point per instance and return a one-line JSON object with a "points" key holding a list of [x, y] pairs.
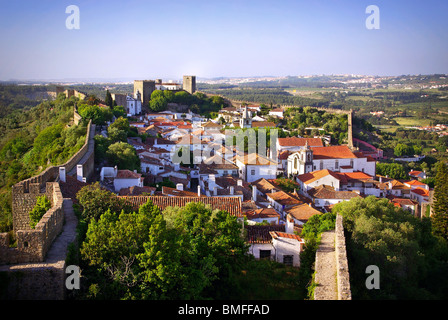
{"points": [[169, 95], [440, 202], [410, 258], [97, 114], [392, 170], [180, 254], [41, 207], [95, 200], [109, 101], [119, 111], [403, 150], [158, 104], [123, 155]]}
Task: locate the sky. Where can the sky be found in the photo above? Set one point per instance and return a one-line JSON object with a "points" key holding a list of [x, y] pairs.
{"points": [[139, 39]]}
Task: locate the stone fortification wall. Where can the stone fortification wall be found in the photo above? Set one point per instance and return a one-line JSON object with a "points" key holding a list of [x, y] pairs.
{"points": [[343, 276], [331, 266], [25, 193], [33, 244]]}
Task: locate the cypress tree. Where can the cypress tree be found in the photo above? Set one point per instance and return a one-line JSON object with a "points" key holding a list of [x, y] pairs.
{"points": [[440, 202], [109, 101]]}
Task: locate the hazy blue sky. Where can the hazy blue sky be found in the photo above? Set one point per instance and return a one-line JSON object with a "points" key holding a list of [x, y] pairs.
{"points": [[166, 39]]}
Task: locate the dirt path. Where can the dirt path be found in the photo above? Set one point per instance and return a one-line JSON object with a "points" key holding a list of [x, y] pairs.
{"points": [[325, 266]]}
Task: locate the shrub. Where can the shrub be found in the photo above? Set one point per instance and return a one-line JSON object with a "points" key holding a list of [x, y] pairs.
{"points": [[41, 207]]}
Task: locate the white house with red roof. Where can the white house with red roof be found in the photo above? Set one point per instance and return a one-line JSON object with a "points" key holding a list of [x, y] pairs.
{"points": [[417, 174], [357, 181], [334, 158], [121, 178]]}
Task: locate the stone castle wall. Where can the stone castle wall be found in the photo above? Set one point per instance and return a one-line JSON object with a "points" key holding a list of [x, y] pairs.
{"points": [[33, 244], [343, 276], [331, 266]]}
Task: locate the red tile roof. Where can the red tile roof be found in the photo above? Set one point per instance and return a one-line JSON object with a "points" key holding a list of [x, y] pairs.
{"points": [[262, 213], [178, 193], [341, 176], [263, 124], [421, 192], [302, 212], [229, 204], [136, 191], [258, 234], [309, 177], [332, 152], [127, 174], [277, 234], [300, 142]]}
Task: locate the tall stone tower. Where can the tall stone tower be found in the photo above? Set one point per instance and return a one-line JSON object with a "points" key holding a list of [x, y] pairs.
{"points": [[350, 130], [145, 88], [189, 84]]}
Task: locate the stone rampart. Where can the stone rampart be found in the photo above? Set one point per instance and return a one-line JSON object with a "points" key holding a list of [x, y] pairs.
{"points": [[342, 272], [331, 266], [33, 244]]}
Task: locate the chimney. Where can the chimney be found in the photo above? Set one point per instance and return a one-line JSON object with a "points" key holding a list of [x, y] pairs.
{"points": [[115, 171], [62, 176], [289, 228], [232, 190], [79, 172], [215, 191], [199, 191], [254, 193], [240, 183], [180, 186], [211, 181]]}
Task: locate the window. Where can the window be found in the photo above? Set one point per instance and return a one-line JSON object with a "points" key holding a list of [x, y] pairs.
{"points": [[321, 165], [252, 172], [265, 254], [295, 163], [336, 164], [288, 259]]}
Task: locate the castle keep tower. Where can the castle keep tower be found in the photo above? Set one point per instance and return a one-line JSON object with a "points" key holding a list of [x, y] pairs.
{"points": [[145, 88], [189, 84]]}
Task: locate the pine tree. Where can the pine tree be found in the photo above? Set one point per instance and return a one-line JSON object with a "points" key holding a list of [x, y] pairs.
{"points": [[440, 203], [109, 101]]}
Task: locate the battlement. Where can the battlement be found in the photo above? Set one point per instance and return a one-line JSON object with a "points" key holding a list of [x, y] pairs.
{"points": [[33, 244]]}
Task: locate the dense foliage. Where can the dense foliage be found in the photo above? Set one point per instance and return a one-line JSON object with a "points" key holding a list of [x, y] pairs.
{"points": [[184, 253], [31, 139], [412, 261], [391, 170], [440, 204], [41, 207]]}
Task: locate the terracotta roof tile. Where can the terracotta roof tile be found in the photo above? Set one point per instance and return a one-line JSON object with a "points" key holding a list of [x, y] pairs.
{"points": [[332, 152], [328, 192], [277, 234], [261, 234], [302, 212], [300, 142], [127, 174], [229, 204]]}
